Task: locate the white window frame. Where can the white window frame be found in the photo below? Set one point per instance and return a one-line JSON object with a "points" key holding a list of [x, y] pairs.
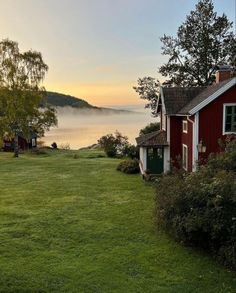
{"points": [[184, 146], [185, 126], [224, 118]]}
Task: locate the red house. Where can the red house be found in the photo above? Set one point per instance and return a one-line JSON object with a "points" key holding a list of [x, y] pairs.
{"points": [[23, 143], [192, 122]]}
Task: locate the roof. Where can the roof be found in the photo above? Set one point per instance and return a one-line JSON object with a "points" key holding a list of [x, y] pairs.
{"points": [[207, 96], [156, 138], [176, 98], [184, 101]]}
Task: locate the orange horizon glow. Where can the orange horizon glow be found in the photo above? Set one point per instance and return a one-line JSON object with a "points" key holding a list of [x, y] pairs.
{"points": [[100, 94]]}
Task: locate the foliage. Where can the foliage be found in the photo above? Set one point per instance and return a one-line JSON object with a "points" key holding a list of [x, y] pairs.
{"points": [[203, 41], [21, 93], [131, 151], [129, 166], [114, 144], [148, 89], [150, 128], [200, 208]]}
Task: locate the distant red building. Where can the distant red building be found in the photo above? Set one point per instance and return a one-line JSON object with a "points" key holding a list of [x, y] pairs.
{"points": [[192, 120], [23, 143]]}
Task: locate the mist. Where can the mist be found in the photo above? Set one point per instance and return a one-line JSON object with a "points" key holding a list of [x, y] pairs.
{"points": [[83, 127]]}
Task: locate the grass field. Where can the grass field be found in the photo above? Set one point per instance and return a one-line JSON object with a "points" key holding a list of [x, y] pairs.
{"points": [[75, 224]]}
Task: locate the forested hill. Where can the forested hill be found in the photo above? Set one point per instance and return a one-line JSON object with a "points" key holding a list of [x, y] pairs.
{"points": [[61, 100]]}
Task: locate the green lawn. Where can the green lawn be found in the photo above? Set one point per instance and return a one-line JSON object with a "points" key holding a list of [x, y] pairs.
{"points": [[77, 225]]}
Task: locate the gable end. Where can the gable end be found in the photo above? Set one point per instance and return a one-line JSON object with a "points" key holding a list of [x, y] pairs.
{"points": [[212, 97]]}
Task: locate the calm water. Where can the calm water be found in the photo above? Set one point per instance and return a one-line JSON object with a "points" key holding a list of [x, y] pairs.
{"points": [[80, 128]]}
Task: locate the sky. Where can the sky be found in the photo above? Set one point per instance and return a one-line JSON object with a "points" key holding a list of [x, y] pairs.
{"points": [[97, 49]]}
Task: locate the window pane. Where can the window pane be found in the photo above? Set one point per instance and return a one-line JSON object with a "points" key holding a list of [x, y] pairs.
{"points": [[229, 110], [159, 153], [230, 118], [228, 127]]}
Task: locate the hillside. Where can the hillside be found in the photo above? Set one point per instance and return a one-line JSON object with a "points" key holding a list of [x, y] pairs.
{"points": [[62, 100]]}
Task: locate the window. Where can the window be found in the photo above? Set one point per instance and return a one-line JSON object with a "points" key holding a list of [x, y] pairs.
{"points": [[185, 126], [229, 121], [33, 142], [185, 157]]}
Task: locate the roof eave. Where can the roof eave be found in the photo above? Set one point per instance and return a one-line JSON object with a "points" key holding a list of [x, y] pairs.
{"points": [[212, 97]]}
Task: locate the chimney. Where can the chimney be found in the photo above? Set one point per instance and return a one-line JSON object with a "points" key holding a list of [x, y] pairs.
{"points": [[223, 72]]}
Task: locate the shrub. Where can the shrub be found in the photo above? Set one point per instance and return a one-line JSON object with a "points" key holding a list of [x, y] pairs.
{"points": [[114, 145], [131, 151], [64, 146], [54, 145], [129, 166], [200, 208]]}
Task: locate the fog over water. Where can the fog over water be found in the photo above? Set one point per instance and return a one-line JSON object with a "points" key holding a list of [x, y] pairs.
{"points": [[81, 128]]}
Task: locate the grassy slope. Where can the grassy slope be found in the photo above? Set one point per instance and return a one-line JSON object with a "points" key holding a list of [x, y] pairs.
{"points": [[77, 225]]}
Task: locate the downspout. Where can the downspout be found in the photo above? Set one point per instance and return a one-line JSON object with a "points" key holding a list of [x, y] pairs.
{"points": [[188, 119]]}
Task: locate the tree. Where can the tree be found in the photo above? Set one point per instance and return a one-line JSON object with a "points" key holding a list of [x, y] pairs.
{"points": [[21, 93], [148, 89], [151, 127], [114, 145], [203, 41]]}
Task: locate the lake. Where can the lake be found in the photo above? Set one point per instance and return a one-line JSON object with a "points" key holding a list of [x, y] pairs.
{"points": [[81, 128]]}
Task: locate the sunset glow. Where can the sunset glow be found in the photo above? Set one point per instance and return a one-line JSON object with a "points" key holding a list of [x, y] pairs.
{"points": [[97, 49]]}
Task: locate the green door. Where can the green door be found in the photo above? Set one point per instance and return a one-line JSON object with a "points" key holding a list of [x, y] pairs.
{"points": [[155, 160]]}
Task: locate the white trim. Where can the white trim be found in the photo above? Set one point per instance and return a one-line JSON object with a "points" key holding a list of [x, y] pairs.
{"points": [[167, 148], [185, 146], [168, 129], [178, 115], [185, 122], [211, 98], [163, 120], [223, 129], [162, 99], [166, 161], [143, 159], [195, 141]]}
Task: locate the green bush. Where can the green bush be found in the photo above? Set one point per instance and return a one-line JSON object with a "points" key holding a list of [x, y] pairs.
{"points": [[200, 208], [131, 151], [129, 166], [113, 145]]}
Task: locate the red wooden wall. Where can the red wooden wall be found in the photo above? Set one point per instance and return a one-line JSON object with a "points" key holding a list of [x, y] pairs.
{"points": [[211, 121]]}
